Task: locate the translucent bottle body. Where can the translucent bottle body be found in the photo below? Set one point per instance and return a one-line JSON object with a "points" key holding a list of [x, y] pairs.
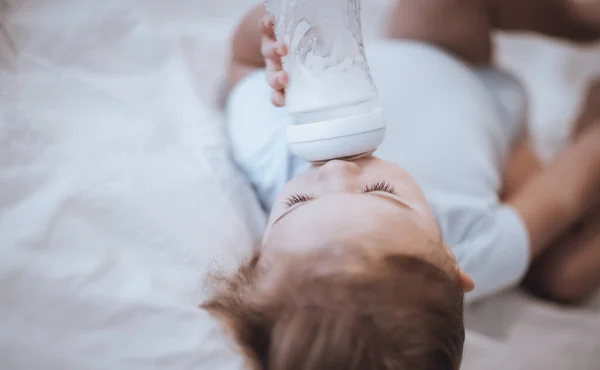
{"points": [[330, 80]]}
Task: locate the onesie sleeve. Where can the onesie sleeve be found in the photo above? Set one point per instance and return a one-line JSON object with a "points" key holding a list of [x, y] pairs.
{"points": [[256, 130], [493, 249]]}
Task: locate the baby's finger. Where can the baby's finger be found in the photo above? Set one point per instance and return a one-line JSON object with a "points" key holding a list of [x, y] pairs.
{"points": [[281, 48], [273, 49], [270, 49], [278, 98], [278, 81], [273, 65], [267, 26]]}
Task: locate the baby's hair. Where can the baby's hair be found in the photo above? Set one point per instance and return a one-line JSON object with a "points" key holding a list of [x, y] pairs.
{"points": [[398, 313]]}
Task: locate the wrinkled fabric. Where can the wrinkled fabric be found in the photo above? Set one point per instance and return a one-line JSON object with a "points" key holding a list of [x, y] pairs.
{"points": [[117, 194]]}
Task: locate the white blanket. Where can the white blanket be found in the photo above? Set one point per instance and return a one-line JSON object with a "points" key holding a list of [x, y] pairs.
{"points": [[117, 195], [116, 192]]}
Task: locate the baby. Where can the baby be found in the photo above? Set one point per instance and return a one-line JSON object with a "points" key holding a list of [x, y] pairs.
{"points": [[364, 263]]}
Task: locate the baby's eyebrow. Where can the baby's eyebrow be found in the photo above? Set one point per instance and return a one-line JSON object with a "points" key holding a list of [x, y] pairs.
{"points": [[390, 198]]}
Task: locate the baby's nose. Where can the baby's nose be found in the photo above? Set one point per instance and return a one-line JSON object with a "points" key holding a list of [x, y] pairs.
{"points": [[338, 171]]}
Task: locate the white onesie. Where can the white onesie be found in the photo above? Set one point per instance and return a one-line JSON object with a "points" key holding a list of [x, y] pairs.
{"points": [[450, 126]]}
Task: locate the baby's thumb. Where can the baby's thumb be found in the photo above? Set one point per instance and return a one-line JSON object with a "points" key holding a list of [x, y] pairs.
{"points": [[278, 98]]}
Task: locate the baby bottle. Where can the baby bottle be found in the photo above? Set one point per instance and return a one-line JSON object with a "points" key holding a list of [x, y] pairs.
{"points": [[331, 94]]}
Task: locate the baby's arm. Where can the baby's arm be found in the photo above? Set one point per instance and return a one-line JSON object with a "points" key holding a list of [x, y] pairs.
{"points": [[246, 55], [556, 197], [570, 19]]}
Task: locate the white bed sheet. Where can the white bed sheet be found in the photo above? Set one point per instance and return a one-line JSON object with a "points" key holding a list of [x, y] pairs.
{"points": [[117, 196], [116, 192]]}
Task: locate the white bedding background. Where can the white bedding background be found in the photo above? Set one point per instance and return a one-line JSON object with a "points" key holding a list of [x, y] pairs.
{"points": [[117, 195]]}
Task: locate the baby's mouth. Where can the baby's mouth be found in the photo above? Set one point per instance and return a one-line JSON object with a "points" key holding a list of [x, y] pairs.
{"points": [[350, 158]]}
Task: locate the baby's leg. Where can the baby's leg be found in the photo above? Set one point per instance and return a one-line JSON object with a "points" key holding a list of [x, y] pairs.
{"points": [[574, 20], [524, 162], [461, 27], [590, 111], [569, 272]]}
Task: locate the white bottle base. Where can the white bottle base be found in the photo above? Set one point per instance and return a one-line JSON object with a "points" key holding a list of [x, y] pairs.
{"points": [[338, 138]]}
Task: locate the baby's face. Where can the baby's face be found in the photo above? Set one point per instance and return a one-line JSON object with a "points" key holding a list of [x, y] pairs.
{"points": [[369, 203]]}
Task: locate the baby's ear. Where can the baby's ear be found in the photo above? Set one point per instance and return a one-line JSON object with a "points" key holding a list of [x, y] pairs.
{"points": [[466, 281]]}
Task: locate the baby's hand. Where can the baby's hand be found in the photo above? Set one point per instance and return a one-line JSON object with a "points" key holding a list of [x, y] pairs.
{"points": [[273, 50]]}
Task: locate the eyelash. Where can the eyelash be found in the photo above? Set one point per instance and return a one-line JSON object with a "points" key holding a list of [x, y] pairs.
{"points": [[378, 186], [297, 198]]}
